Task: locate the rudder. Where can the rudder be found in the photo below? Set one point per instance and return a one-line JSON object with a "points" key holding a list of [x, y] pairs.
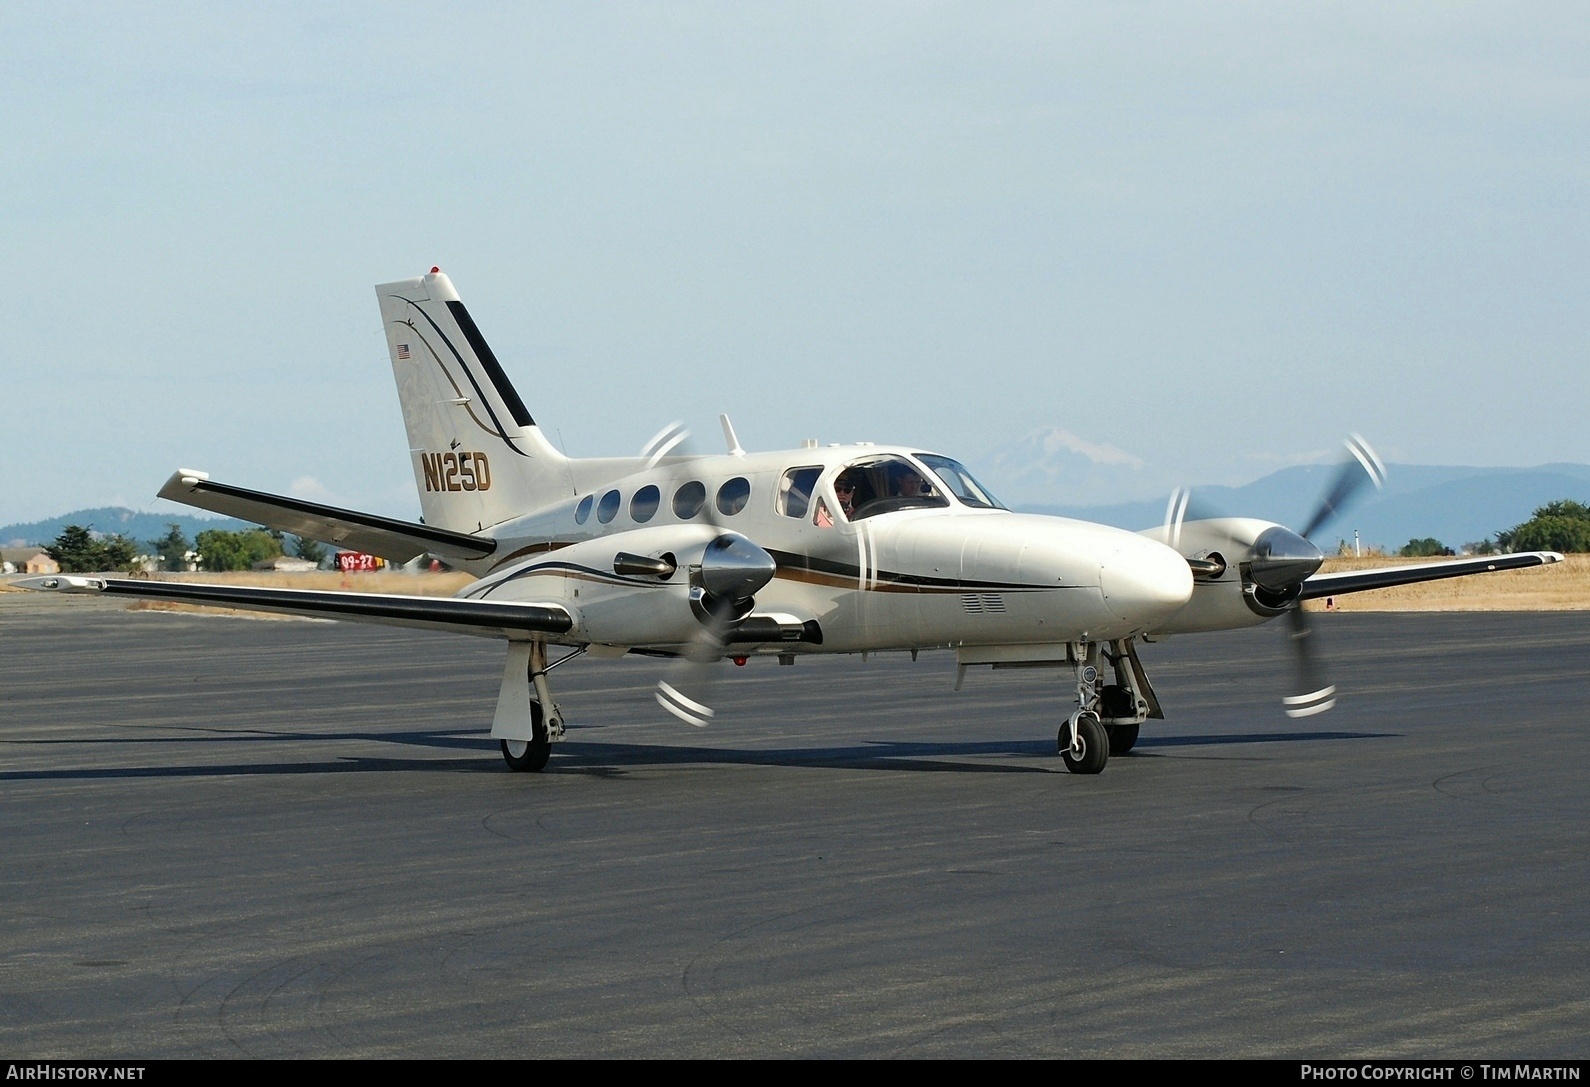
{"points": [[478, 457]]}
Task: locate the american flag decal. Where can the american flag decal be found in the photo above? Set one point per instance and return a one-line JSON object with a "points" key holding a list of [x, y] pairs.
{"points": [[403, 350]]}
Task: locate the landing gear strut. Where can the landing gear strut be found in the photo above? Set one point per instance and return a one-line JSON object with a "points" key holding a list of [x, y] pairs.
{"points": [[1115, 710], [523, 724]]}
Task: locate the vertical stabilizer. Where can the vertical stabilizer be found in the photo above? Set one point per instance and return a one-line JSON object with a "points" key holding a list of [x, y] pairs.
{"points": [[479, 459]]}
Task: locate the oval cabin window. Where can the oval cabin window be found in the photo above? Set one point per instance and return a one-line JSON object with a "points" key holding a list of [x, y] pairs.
{"points": [[733, 495], [689, 499], [643, 507]]}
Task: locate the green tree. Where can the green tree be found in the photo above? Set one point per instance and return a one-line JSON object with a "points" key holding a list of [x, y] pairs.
{"points": [[79, 552], [222, 550], [172, 548], [1556, 526], [118, 552], [1425, 548], [313, 550]]}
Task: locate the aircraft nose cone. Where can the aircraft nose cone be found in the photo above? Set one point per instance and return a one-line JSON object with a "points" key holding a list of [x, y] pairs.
{"points": [[1145, 582]]}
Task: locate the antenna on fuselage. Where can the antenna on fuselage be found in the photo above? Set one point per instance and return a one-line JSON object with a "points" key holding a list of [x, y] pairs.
{"points": [[735, 450]]}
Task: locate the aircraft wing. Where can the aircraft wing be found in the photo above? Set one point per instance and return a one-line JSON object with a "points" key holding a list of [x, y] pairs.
{"points": [[398, 541], [1357, 581], [484, 618]]}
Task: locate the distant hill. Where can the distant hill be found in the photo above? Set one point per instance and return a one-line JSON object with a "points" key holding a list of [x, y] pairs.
{"points": [[1455, 505], [110, 520]]}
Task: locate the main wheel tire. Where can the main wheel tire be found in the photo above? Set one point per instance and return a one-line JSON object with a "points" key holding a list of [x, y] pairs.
{"points": [[529, 756], [1122, 738], [1095, 746]]}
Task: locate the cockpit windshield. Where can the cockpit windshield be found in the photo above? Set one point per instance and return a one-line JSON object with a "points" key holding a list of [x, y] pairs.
{"points": [[961, 483], [883, 485]]}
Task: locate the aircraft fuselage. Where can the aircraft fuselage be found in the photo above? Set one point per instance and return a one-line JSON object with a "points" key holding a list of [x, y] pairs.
{"points": [[919, 576]]}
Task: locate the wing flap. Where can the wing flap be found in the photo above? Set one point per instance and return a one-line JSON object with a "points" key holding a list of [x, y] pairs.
{"points": [[1357, 581], [396, 540], [485, 618]]}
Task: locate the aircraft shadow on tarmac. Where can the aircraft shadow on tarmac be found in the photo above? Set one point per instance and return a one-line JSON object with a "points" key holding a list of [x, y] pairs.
{"points": [[577, 756]]}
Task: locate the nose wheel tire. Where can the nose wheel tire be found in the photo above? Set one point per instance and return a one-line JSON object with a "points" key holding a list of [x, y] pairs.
{"points": [[1092, 748], [1122, 738], [529, 756]]}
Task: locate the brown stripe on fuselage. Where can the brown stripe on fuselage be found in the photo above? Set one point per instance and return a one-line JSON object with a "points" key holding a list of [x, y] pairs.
{"points": [[531, 549]]}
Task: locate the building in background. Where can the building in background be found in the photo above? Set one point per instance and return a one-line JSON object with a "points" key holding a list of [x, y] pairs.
{"points": [[27, 560]]}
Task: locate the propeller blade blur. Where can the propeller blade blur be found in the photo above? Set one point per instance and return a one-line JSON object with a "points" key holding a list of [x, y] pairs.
{"points": [[1182, 508], [665, 441], [688, 688], [1361, 468], [1315, 694]]}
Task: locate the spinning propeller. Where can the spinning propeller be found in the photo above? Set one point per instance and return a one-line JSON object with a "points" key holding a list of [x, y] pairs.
{"points": [[1280, 560], [722, 590]]}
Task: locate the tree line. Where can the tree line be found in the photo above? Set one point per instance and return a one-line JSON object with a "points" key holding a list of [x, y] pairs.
{"points": [[78, 551], [1557, 526]]}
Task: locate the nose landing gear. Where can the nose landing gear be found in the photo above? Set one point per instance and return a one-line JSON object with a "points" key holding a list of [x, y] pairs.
{"points": [[1110, 715], [1083, 743]]}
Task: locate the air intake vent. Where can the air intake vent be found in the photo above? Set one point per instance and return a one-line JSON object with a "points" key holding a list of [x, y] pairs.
{"points": [[979, 603]]}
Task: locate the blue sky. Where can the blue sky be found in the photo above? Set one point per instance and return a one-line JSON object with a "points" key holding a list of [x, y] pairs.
{"points": [[1199, 241]]}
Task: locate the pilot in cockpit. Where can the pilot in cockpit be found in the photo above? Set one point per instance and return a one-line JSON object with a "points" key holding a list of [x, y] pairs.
{"points": [[845, 491]]}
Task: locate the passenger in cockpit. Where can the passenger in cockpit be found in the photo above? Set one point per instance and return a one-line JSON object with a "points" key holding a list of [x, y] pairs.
{"points": [[907, 482]]}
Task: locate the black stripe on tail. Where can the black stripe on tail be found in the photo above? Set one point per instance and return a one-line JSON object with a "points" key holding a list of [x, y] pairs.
{"points": [[494, 371]]}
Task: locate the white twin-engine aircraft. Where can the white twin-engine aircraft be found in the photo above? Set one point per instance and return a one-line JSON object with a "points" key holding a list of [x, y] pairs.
{"points": [[839, 549]]}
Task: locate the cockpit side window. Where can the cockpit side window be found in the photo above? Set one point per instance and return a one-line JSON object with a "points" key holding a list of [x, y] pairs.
{"points": [[884, 485], [795, 491], [961, 483]]}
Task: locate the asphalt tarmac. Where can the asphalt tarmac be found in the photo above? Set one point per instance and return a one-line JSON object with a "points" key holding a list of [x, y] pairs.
{"points": [[224, 837]]}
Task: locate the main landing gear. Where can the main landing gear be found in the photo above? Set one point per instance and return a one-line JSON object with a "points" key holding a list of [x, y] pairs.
{"points": [[532, 754], [1109, 714], [522, 724]]}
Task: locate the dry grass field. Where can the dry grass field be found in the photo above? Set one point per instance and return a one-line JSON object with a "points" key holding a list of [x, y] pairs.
{"points": [[1564, 587]]}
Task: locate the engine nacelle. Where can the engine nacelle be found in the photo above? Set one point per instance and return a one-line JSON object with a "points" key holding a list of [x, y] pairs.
{"points": [[1245, 570], [688, 575]]}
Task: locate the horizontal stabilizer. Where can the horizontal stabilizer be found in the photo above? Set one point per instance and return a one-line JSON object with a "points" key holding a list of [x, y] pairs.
{"points": [[485, 618], [398, 541], [1357, 581]]}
